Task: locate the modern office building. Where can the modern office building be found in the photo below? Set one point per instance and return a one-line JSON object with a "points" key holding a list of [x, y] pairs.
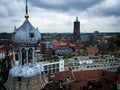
{"points": [[102, 62], [52, 67]]}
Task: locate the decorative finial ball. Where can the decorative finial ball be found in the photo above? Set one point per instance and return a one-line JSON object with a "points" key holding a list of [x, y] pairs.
{"points": [[26, 16]]}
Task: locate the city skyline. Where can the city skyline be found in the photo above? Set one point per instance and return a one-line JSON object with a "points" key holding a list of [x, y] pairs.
{"points": [[58, 16]]}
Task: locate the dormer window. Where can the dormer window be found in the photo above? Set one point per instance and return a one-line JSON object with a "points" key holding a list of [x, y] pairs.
{"points": [[31, 35]]}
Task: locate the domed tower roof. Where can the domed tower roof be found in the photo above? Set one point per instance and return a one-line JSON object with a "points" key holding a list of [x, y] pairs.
{"points": [[26, 35]]}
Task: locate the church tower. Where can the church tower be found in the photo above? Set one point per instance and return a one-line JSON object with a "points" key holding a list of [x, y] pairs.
{"points": [[76, 30], [28, 74]]}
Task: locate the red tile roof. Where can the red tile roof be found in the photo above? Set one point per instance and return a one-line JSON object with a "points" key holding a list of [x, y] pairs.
{"points": [[111, 76], [2, 49], [107, 80], [92, 50], [56, 44], [118, 52], [118, 78], [72, 45], [63, 75], [74, 85], [88, 75]]}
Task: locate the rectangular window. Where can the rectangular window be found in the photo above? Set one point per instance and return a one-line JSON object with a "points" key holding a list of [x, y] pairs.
{"points": [[19, 79], [53, 65], [57, 65]]}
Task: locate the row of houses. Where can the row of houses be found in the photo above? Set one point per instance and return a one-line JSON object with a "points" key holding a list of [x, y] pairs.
{"points": [[54, 63], [72, 49], [85, 80]]}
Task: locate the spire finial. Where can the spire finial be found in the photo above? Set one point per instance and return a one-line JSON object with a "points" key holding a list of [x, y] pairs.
{"points": [[26, 9], [77, 19]]}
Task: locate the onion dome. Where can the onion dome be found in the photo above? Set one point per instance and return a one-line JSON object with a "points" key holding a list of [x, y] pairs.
{"points": [[26, 35]]}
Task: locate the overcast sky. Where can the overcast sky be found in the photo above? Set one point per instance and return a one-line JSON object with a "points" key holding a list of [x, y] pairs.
{"points": [[59, 15]]}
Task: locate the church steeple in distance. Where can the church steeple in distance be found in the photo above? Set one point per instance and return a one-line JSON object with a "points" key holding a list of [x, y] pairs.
{"points": [[76, 30], [26, 9], [76, 19]]}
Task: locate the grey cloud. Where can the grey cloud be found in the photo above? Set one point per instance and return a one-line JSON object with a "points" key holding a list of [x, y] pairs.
{"points": [[93, 7], [8, 8], [66, 5], [2, 14], [111, 11], [14, 20], [105, 9], [117, 23]]}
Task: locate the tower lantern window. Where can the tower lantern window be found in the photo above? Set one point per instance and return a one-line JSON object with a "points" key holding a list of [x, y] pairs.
{"points": [[31, 35]]}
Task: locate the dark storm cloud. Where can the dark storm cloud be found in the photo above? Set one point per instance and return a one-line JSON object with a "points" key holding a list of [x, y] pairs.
{"points": [[114, 11], [65, 5], [106, 8], [99, 7], [92, 7], [105, 12]]}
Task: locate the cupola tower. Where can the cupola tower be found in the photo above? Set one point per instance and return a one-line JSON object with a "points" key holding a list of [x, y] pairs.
{"points": [[28, 74]]}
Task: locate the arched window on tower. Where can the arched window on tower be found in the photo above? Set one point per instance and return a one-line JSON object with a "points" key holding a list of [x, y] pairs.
{"points": [[30, 55], [23, 56]]}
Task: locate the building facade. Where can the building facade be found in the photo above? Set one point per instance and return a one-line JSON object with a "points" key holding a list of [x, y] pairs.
{"points": [[61, 50], [83, 63], [50, 68]]}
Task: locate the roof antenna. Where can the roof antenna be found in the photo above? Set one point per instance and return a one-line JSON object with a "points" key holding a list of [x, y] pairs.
{"points": [[26, 9]]}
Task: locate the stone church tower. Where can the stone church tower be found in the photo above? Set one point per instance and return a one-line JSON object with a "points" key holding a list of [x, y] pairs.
{"points": [[76, 30]]}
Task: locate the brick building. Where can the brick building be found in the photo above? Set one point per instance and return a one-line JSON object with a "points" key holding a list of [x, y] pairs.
{"points": [[86, 80], [76, 31]]}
